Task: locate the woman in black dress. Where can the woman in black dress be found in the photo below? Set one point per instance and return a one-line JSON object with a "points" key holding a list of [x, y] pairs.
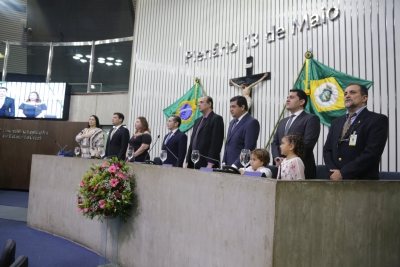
{"points": [[141, 140]]}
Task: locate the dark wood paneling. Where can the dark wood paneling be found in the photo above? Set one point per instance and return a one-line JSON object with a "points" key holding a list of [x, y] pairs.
{"points": [[16, 154]]}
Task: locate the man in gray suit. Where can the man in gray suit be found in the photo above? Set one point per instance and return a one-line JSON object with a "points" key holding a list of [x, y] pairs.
{"points": [[299, 122]]}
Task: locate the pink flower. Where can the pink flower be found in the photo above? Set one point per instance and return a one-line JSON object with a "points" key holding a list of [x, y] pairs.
{"points": [[105, 164], [102, 204], [82, 183], [80, 209], [121, 175], [112, 169], [114, 182], [86, 210]]}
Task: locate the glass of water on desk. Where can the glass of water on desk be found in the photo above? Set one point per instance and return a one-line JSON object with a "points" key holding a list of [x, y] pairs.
{"points": [[195, 157], [102, 152], [245, 157], [77, 150], [131, 153], [163, 155]]}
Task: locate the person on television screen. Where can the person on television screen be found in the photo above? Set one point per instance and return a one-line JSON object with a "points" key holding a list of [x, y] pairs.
{"points": [[7, 104], [33, 107], [91, 139]]}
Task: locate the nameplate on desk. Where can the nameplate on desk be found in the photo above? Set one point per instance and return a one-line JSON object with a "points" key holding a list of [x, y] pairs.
{"points": [[167, 165], [254, 174], [206, 169]]}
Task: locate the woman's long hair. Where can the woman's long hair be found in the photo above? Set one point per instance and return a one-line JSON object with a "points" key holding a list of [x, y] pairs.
{"points": [[37, 97], [97, 121], [145, 125]]}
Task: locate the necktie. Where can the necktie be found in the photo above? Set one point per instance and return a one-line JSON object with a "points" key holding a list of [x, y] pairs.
{"points": [[234, 123], [112, 133], [288, 124], [194, 147], [168, 137], [346, 126]]}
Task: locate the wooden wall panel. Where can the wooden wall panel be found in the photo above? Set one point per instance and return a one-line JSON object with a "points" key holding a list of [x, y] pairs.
{"points": [[16, 154]]}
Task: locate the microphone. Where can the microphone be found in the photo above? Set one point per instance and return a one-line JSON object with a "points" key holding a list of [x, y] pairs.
{"points": [[148, 152], [61, 148], [172, 155], [220, 166]]}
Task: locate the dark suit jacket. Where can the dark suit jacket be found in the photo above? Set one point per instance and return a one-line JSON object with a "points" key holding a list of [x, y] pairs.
{"points": [[118, 144], [243, 135], [177, 144], [209, 140], [362, 160], [9, 107], [309, 126]]}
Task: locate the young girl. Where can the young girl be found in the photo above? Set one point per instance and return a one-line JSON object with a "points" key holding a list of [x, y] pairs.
{"points": [[292, 167], [259, 158]]}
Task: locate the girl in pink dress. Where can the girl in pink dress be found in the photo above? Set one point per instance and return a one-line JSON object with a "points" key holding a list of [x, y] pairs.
{"points": [[292, 167]]}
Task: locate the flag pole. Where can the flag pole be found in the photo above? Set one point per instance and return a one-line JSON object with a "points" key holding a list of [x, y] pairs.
{"points": [[283, 110]]}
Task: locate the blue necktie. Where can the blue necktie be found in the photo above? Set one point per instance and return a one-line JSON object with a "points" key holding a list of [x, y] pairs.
{"points": [[168, 137]]}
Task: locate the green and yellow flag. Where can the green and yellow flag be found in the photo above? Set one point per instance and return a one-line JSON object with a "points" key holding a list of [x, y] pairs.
{"points": [[186, 107], [325, 88]]}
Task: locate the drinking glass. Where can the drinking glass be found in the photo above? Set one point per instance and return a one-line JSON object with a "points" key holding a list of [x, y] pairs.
{"points": [[163, 155], [102, 152], [245, 157], [195, 157], [77, 151], [131, 153]]}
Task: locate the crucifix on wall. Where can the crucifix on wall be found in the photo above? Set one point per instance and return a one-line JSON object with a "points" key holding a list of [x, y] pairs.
{"points": [[247, 82]]}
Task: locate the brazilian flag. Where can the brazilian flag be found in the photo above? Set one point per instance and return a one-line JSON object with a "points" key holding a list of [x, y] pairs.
{"points": [[325, 88], [186, 107]]}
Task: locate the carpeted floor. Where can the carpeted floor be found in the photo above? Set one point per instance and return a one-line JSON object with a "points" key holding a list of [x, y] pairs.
{"points": [[42, 249]]}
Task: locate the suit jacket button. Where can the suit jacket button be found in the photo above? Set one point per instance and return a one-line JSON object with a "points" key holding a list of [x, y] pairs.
{"points": [[340, 159]]}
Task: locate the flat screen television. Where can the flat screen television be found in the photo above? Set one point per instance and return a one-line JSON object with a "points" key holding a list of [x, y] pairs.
{"points": [[35, 100]]}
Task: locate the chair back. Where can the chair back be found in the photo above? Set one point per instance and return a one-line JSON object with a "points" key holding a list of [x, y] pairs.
{"points": [[22, 261], [8, 254], [274, 170]]}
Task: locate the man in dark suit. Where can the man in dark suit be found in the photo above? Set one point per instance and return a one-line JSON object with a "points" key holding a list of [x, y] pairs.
{"points": [[175, 142], [207, 136], [118, 138], [298, 122], [242, 133], [7, 106], [356, 141]]}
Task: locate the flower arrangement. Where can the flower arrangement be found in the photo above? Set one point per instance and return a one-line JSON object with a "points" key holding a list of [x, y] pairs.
{"points": [[107, 190]]}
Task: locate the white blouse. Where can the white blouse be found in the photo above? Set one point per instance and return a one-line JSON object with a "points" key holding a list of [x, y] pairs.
{"points": [[292, 169]]}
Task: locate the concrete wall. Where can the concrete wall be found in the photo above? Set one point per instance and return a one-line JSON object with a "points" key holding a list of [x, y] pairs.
{"points": [[194, 218]]}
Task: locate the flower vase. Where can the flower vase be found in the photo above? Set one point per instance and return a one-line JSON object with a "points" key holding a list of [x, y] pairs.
{"points": [[109, 242]]}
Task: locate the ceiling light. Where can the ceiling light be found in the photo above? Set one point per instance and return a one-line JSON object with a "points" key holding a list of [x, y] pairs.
{"points": [[118, 64], [118, 60], [83, 60], [109, 63], [75, 57], [88, 56], [101, 58], [78, 55], [92, 86], [110, 58], [101, 61]]}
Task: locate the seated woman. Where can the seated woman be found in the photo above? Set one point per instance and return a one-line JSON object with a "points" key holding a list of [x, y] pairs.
{"points": [[141, 140], [32, 107], [91, 138]]}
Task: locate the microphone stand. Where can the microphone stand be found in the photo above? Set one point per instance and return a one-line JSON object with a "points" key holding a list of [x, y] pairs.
{"points": [[148, 152], [172, 155], [220, 166]]}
